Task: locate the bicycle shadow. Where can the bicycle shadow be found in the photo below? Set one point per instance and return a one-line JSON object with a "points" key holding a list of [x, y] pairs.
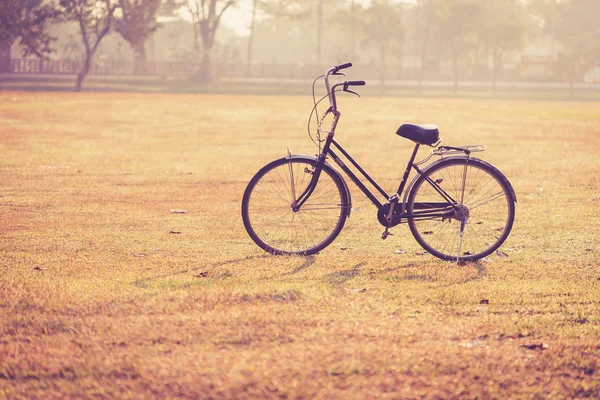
{"points": [[144, 282], [434, 275], [308, 261], [341, 277], [335, 278]]}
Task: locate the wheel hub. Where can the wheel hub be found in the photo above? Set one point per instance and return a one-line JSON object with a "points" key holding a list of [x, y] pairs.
{"points": [[461, 213]]}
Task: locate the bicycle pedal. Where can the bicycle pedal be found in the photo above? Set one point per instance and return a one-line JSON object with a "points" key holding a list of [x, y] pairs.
{"points": [[386, 233]]}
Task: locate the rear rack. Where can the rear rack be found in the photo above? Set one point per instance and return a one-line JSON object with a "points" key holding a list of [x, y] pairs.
{"points": [[450, 150]]}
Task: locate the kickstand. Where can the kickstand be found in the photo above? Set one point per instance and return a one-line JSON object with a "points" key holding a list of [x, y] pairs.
{"points": [[386, 233], [460, 234]]}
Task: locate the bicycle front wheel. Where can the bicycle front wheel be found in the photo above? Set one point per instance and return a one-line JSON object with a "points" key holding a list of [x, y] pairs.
{"points": [[475, 222], [268, 214]]}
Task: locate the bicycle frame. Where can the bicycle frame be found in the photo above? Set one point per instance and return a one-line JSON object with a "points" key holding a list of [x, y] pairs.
{"points": [[428, 210], [445, 209]]}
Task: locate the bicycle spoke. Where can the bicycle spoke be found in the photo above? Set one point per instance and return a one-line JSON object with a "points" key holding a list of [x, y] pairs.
{"points": [[488, 199], [273, 224], [485, 209]]}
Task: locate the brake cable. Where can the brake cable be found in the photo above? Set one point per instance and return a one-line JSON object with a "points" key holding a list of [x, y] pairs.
{"points": [[319, 122]]}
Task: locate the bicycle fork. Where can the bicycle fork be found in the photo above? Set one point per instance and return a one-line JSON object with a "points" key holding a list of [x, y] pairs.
{"points": [[292, 180], [316, 173]]}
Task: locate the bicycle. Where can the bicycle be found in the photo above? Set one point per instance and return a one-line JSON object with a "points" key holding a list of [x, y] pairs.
{"points": [[458, 208]]}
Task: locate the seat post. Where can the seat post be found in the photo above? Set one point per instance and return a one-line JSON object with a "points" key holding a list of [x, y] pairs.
{"points": [[407, 172]]}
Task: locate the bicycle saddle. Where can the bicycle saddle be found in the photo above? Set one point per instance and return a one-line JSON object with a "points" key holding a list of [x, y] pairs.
{"points": [[423, 134]]}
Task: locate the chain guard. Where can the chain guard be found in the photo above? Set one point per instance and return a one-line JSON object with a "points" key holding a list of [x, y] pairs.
{"points": [[383, 213]]}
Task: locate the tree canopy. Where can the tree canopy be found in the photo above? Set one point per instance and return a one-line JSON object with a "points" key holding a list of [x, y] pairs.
{"points": [[136, 22], [27, 20], [573, 24], [95, 19]]}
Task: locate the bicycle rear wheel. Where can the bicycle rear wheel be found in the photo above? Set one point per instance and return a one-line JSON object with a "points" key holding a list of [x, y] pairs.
{"points": [[270, 219], [484, 209]]}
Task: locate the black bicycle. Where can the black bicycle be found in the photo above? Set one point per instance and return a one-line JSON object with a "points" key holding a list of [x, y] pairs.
{"points": [[458, 207]]}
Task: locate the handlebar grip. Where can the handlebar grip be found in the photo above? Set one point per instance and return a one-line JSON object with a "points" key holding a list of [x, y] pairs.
{"points": [[343, 66], [356, 83]]}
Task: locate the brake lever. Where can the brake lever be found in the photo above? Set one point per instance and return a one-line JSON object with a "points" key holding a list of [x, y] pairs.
{"points": [[339, 73], [350, 91]]}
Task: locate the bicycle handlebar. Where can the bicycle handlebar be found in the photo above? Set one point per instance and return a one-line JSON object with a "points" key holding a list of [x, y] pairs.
{"points": [[343, 66], [331, 90], [355, 83]]}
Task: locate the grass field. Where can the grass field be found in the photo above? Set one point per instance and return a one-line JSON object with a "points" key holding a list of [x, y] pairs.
{"points": [[106, 293]]}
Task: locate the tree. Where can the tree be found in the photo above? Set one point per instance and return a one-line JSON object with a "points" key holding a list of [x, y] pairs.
{"points": [[136, 23], [382, 31], [275, 9], [456, 34], [320, 16], [319, 32], [574, 24], [347, 19], [206, 15], [504, 29], [352, 27], [426, 20], [251, 37], [296, 10], [27, 20], [95, 18]]}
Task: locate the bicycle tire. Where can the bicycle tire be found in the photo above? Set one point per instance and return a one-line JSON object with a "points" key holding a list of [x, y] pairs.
{"points": [[488, 203], [267, 207]]}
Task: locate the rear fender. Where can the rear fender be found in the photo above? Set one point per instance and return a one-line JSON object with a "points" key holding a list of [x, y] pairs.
{"points": [[471, 160]]}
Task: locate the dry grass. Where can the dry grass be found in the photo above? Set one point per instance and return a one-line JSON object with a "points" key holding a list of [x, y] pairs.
{"points": [[99, 299]]}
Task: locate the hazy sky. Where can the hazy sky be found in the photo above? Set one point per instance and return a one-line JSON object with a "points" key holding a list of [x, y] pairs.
{"points": [[238, 18]]}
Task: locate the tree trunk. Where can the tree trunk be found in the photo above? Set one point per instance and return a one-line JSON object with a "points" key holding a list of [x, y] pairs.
{"points": [[205, 72], [90, 49], [5, 65], [455, 60], [425, 44], [400, 71], [251, 38], [352, 31], [383, 49], [208, 41], [422, 69], [494, 73], [572, 78], [319, 32], [139, 60], [83, 73], [196, 41]]}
